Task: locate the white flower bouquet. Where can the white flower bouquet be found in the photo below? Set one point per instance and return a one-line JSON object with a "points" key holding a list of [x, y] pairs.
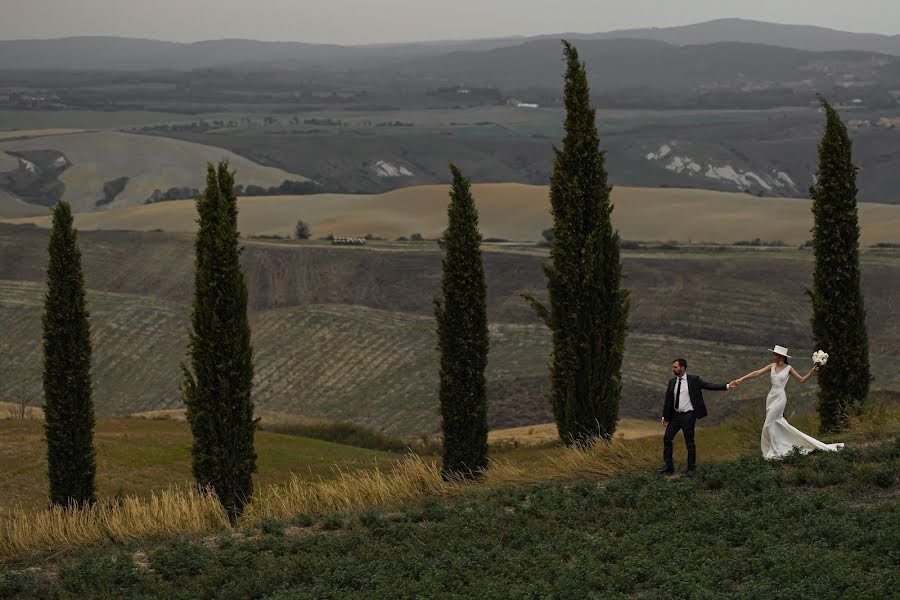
{"points": [[820, 358]]}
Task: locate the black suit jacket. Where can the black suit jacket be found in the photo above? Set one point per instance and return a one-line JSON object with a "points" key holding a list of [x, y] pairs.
{"points": [[695, 389]]}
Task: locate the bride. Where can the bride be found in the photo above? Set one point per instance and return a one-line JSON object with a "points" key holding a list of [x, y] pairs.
{"points": [[778, 436]]}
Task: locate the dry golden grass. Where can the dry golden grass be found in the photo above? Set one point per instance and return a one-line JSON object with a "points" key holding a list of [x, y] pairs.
{"points": [[174, 511], [533, 435], [601, 460], [879, 420], [172, 414], [11, 410], [509, 211], [412, 478]]}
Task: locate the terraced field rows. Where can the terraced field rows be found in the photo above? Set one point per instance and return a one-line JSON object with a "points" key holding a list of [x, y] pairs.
{"points": [[349, 362], [138, 343], [355, 363]]}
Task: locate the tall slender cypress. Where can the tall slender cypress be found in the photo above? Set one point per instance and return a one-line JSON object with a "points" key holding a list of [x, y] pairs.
{"points": [[588, 307], [839, 318], [218, 382], [69, 407], [462, 327]]}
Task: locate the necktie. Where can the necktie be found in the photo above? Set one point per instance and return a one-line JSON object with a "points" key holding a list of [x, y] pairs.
{"points": [[677, 393]]}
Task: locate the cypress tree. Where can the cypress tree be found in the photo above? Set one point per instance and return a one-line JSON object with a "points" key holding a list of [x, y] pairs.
{"points": [[838, 319], [69, 407], [218, 381], [462, 328], [588, 307]]}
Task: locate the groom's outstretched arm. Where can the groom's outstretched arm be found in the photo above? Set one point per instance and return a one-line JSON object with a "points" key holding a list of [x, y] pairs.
{"points": [[716, 387]]}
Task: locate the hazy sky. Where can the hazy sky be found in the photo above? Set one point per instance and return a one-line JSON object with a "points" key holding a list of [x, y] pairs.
{"points": [[367, 21]]}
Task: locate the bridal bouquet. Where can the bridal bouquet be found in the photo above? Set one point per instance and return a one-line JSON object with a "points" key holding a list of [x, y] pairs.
{"points": [[820, 358]]}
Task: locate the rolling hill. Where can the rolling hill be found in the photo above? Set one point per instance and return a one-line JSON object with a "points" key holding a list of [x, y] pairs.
{"points": [[508, 211], [84, 163]]}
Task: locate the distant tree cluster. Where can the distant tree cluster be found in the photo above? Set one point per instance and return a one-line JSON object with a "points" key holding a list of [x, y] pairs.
{"points": [[286, 188], [192, 127], [302, 231], [173, 193], [757, 242], [111, 189]]}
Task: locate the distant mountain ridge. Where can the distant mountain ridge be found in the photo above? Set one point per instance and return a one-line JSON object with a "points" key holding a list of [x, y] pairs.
{"points": [[103, 53], [800, 37]]}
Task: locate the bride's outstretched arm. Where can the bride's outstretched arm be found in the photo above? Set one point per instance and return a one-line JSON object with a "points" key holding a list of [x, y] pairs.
{"points": [[804, 378], [753, 374]]}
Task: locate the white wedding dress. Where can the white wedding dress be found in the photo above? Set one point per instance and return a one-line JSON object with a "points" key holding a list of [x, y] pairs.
{"points": [[778, 436]]}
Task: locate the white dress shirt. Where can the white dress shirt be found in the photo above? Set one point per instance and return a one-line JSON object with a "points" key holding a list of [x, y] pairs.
{"points": [[684, 399]]}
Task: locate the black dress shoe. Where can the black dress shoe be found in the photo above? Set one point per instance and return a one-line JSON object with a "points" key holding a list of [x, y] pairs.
{"points": [[690, 470], [666, 470]]}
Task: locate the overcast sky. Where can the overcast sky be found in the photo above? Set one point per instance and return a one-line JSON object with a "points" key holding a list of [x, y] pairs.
{"points": [[369, 21]]}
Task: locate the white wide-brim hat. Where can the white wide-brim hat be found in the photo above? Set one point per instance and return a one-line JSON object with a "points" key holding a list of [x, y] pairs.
{"points": [[780, 350]]}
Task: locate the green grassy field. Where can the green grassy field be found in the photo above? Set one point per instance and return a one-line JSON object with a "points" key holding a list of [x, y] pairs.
{"points": [[141, 456]]}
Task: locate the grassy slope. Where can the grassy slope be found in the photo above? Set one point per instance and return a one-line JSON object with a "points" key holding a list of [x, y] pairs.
{"points": [[822, 526], [139, 456], [509, 211]]}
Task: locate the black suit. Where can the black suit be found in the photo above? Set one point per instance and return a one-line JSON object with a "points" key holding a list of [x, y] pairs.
{"points": [[685, 421]]}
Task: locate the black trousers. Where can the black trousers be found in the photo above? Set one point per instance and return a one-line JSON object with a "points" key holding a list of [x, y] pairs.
{"points": [[681, 422]]}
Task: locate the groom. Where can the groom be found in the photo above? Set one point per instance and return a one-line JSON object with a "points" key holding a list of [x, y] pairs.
{"points": [[683, 406]]}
